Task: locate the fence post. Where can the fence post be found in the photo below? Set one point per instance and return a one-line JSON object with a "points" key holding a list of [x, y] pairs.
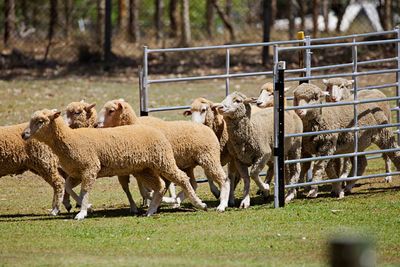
{"points": [[355, 106], [279, 132], [143, 87], [107, 36], [300, 37], [398, 82], [227, 63]]}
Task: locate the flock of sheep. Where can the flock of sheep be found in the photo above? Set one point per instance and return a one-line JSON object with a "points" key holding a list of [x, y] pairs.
{"points": [[75, 149]]}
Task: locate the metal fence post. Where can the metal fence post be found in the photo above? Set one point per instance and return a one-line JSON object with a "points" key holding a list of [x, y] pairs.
{"points": [[143, 88], [355, 106], [397, 29], [279, 132], [227, 62]]}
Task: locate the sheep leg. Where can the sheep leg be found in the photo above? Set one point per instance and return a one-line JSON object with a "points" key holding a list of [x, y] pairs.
{"points": [[87, 184], [294, 174], [234, 179], [144, 192], [217, 174], [178, 177], [385, 140], [388, 167], [244, 173], [124, 182], [270, 172], [361, 166], [159, 190], [181, 195], [255, 170], [331, 170], [172, 191], [318, 171]]}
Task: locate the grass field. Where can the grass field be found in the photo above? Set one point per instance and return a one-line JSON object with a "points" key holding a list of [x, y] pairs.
{"points": [[296, 235]]}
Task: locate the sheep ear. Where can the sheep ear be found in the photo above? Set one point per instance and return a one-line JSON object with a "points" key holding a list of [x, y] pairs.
{"points": [[55, 115], [120, 105], [350, 82], [324, 93], [325, 81], [121, 99], [215, 106], [82, 101], [286, 89], [249, 100], [88, 108], [187, 112]]}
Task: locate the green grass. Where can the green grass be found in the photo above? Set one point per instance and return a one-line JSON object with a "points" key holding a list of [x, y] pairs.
{"points": [[296, 235]]}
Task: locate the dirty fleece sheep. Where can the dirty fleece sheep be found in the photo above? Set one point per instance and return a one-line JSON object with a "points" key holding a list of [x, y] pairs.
{"points": [[83, 115], [339, 89], [319, 119], [293, 124], [193, 145], [18, 156], [88, 153]]}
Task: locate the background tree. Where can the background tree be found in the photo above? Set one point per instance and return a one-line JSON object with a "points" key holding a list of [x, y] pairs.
{"points": [[68, 6], [225, 19], [290, 11], [158, 19], [9, 22], [209, 18], [387, 21], [267, 21], [123, 17], [101, 10], [325, 13], [53, 23], [173, 18], [315, 14], [186, 36], [133, 25]]}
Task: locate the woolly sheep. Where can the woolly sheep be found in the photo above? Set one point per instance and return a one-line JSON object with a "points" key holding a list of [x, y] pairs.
{"points": [[339, 89], [318, 119], [293, 124], [193, 144], [88, 153], [18, 156], [83, 115]]}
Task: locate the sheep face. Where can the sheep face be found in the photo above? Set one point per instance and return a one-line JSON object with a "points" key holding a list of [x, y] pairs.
{"points": [[80, 115], [39, 121], [199, 110], [265, 99], [338, 89], [307, 94], [234, 105], [110, 114]]}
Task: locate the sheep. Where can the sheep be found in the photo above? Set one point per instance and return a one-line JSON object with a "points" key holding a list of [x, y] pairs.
{"points": [[202, 111], [339, 89], [193, 145], [88, 153], [318, 119], [17, 156], [293, 124], [83, 115]]}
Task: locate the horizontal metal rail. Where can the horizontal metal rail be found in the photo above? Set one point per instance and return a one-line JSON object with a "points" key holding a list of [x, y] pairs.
{"points": [[349, 74], [347, 155], [359, 35], [337, 180], [344, 130], [350, 44], [377, 86], [344, 103]]}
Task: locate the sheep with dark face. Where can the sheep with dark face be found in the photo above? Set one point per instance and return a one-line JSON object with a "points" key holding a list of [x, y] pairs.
{"points": [[319, 119]]}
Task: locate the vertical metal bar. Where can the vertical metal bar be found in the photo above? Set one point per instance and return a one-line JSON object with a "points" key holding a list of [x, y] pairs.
{"points": [[355, 106], [276, 130], [144, 92], [300, 36], [398, 83], [307, 59], [227, 71]]}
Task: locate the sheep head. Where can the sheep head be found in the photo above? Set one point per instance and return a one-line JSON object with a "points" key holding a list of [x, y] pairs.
{"points": [[307, 94], [266, 97], [116, 113], [200, 110], [81, 115], [338, 89], [40, 120], [235, 105]]}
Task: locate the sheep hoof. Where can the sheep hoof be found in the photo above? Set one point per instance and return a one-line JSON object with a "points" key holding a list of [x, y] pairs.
{"points": [[341, 195], [388, 179], [134, 210], [231, 203], [245, 204], [290, 197], [81, 215], [203, 206], [68, 208], [54, 211], [221, 208], [313, 193]]}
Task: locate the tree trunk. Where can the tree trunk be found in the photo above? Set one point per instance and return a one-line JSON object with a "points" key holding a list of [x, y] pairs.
{"points": [[9, 22], [266, 30], [228, 8], [291, 20], [274, 10], [123, 19], [52, 25], [186, 37], [173, 20], [67, 14], [315, 13], [339, 7], [24, 12], [159, 8], [101, 10], [388, 25], [226, 20], [209, 18], [325, 13], [302, 12], [134, 31]]}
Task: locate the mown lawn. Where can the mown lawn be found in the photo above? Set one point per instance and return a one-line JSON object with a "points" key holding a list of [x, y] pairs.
{"points": [[296, 235]]}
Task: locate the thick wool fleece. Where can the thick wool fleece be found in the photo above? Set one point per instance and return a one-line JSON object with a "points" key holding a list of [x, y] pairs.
{"points": [[18, 156], [81, 115]]}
